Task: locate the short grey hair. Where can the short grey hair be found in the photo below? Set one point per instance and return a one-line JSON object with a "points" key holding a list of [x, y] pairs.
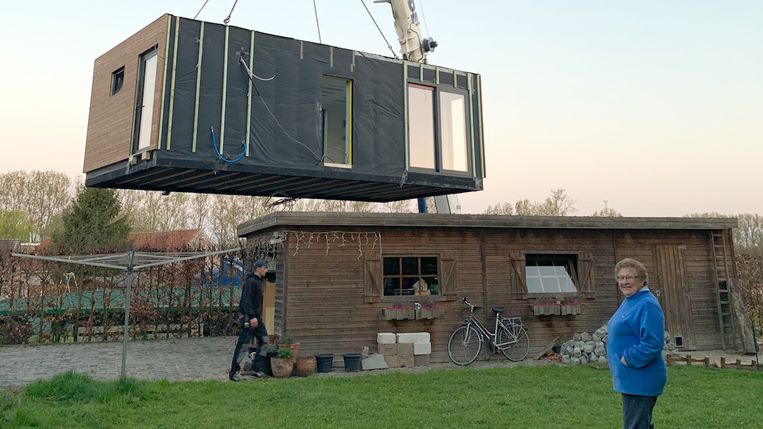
{"points": [[636, 265]]}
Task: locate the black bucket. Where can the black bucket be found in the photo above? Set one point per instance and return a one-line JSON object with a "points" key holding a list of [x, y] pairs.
{"points": [[324, 361], [351, 362]]}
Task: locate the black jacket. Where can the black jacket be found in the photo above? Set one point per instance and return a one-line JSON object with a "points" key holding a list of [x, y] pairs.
{"points": [[251, 297]]}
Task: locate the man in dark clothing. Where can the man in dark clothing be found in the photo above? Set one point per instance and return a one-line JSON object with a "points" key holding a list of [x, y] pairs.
{"points": [[250, 307]]}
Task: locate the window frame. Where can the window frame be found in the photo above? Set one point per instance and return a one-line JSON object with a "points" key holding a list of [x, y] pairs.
{"points": [[117, 81], [437, 124], [348, 118], [143, 58], [573, 276], [401, 276]]}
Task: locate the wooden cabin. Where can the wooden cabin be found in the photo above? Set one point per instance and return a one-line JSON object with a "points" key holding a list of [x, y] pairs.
{"points": [[192, 106], [338, 274]]}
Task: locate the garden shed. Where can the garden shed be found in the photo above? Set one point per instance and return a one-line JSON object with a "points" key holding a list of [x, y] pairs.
{"points": [[342, 277], [192, 106]]}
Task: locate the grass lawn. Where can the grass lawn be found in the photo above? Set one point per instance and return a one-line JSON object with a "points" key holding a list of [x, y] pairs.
{"points": [[518, 397]]}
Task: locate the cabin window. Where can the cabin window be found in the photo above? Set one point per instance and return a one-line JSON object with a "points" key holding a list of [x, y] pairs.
{"points": [[550, 274], [411, 275], [453, 139], [421, 139], [336, 121], [117, 80], [144, 111]]}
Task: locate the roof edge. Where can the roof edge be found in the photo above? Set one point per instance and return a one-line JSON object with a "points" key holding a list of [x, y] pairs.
{"points": [[406, 220]]}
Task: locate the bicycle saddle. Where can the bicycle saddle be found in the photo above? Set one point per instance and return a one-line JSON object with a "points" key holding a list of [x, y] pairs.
{"points": [[499, 310]]}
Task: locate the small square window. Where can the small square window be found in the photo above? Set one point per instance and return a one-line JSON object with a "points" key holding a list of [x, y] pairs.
{"points": [[117, 80], [411, 275]]}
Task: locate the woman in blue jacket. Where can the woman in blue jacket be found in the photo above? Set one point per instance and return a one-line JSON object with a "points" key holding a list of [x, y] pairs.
{"points": [[636, 334]]}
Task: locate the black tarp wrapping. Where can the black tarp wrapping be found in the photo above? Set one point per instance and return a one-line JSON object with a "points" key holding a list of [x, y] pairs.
{"points": [[285, 104]]}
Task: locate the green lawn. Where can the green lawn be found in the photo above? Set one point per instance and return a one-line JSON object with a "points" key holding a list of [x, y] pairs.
{"points": [[519, 397]]}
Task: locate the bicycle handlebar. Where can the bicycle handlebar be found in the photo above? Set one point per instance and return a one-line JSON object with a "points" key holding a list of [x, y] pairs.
{"points": [[471, 306]]}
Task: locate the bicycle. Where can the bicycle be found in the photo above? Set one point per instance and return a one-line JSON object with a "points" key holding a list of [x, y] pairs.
{"points": [[508, 336]]}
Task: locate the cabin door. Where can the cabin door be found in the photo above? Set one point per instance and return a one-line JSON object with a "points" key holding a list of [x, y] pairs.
{"points": [[672, 289], [269, 307]]}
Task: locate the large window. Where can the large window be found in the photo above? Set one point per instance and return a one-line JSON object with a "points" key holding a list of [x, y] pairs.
{"points": [[453, 132], [145, 108], [431, 109], [548, 274], [336, 116], [411, 275], [421, 126]]}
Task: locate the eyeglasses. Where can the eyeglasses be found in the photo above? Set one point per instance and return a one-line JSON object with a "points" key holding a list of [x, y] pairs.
{"points": [[621, 278]]}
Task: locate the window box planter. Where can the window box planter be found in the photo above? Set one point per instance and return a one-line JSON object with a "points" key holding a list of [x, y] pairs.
{"points": [[546, 309], [570, 308], [399, 312], [430, 311]]}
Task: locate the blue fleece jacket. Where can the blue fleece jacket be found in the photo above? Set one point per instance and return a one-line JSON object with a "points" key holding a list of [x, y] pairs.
{"points": [[637, 332]]}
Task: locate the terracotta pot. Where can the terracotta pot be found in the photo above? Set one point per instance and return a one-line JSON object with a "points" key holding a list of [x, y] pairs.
{"points": [[306, 366], [294, 347], [281, 367]]}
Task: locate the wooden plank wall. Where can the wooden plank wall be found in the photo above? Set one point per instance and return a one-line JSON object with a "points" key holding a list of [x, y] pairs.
{"points": [[699, 275], [110, 122], [323, 285]]}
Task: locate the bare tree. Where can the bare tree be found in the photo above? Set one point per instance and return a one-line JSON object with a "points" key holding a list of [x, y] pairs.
{"points": [[505, 208], [198, 210], [40, 194], [607, 212], [557, 204], [402, 206], [749, 234]]}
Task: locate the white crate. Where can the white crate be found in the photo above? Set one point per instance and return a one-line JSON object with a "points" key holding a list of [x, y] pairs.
{"points": [[422, 348], [413, 337], [385, 338]]}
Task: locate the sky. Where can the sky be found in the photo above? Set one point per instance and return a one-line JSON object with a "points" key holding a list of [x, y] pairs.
{"points": [[654, 107]]}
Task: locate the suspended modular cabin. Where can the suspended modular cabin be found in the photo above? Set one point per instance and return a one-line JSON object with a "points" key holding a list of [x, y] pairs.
{"points": [[192, 106], [341, 278]]}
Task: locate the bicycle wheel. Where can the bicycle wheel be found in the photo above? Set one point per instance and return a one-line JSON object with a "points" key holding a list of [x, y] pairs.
{"points": [[464, 345], [516, 334]]}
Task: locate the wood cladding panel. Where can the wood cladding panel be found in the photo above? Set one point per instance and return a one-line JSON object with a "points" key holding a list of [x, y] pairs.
{"points": [[110, 121]]}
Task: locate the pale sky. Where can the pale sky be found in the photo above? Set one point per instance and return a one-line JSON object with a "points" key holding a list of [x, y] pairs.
{"points": [[655, 106]]}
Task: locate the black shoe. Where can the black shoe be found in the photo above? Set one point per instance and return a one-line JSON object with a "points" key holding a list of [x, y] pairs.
{"points": [[232, 375]]}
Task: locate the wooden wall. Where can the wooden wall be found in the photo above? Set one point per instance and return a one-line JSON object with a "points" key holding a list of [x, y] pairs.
{"points": [[110, 122], [325, 277]]}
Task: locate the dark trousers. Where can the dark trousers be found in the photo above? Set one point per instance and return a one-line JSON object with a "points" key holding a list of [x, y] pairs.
{"points": [[244, 338], [637, 411]]}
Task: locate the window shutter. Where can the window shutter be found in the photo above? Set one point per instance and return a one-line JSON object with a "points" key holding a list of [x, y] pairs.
{"points": [[585, 273], [373, 282], [449, 274], [518, 288]]}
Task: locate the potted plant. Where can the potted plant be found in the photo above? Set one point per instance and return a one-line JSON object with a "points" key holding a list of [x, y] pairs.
{"points": [[305, 366], [282, 363], [287, 341]]}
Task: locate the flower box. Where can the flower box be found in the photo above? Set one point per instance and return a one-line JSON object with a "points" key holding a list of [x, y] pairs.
{"points": [[546, 309], [571, 308], [431, 311], [399, 312]]}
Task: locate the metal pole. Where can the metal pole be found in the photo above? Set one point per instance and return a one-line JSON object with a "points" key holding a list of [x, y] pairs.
{"points": [[126, 331]]}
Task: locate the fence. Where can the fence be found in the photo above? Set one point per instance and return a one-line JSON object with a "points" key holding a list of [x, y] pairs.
{"points": [[47, 302]]}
